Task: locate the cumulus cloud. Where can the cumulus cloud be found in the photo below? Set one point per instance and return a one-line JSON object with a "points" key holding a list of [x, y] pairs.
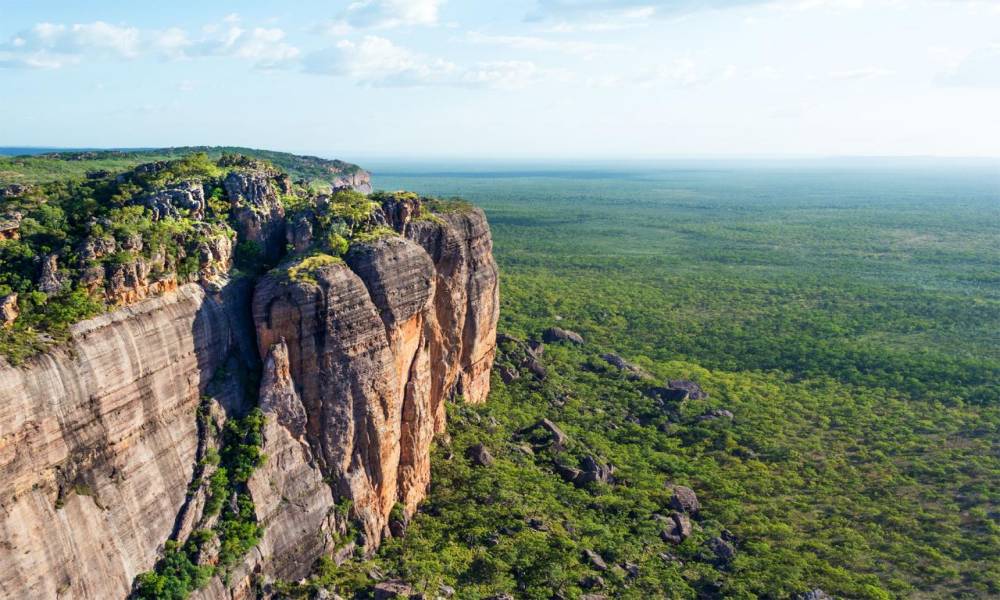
{"points": [[385, 14], [265, 47], [377, 61], [52, 46]]}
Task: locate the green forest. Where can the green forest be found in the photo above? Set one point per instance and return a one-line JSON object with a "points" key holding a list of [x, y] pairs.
{"points": [[837, 330], [849, 322]]}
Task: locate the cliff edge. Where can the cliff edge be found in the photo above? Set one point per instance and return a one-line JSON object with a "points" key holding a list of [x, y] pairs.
{"points": [[235, 425]]}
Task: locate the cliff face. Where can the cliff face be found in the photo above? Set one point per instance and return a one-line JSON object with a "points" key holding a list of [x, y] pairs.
{"points": [[97, 446], [403, 324], [100, 441]]}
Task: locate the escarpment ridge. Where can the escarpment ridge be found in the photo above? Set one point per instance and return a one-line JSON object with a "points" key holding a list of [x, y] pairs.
{"points": [[261, 387]]}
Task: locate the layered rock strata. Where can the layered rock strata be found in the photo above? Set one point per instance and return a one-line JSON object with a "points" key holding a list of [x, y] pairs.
{"points": [[100, 442], [97, 446]]}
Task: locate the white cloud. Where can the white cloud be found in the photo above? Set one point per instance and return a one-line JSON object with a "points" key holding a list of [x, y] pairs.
{"points": [[52, 46], [377, 61], [265, 47], [385, 14]]}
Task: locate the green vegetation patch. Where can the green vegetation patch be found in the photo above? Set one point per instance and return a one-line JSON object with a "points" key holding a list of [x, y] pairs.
{"points": [[304, 271]]}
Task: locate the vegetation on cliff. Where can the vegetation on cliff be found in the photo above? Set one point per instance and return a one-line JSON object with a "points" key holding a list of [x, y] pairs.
{"points": [[82, 232]]}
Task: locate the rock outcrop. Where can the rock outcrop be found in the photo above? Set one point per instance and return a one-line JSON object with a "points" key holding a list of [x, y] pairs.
{"points": [[377, 344], [97, 446], [103, 441], [8, 310], [257, 209]]}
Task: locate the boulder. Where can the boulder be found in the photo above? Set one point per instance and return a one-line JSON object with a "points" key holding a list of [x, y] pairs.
{"points": [[8, 309], [678, 529], [557, 334], [694, 391], [684, 500], [391, 588], [717, 413], [667, 394], [49, 281], [96, 248], [188, 196], [724, 551], [557, 438], [537, 369], [595, 560], [633, 371], [480, 455], [299, 233], [508, 374], [595, 471], [570, 474], [10, 226], [13, 191]]}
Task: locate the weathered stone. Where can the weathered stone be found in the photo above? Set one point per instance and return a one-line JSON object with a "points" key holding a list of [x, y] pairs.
{"points": [[717, 413], [678, 529], [594, 471], [557, 437], [258, 211], [535, 367], [8, 309], [98, 247], [480, 455], [116, 409], [393, 588], [10, 226], [595, 560], [724, 551], [694, 391], [684, 499], [669, 394], [188, 196], [633, 371], [299, 234], [509, 374], [557, 334], [277, 391], [49, 281]]}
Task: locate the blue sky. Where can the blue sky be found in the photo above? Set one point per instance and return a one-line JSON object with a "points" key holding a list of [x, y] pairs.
{"points": [[512, 79]]}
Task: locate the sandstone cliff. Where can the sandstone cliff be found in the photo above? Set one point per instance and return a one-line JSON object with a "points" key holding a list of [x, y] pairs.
{"points": [[104, 442]]}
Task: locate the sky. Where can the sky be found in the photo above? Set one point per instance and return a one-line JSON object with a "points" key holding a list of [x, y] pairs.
{"points": [[558, 79]]}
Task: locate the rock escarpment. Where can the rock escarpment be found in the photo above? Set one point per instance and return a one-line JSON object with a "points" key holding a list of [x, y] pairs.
{"points": [[97, 446], [376, 343], [106, 441]]}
